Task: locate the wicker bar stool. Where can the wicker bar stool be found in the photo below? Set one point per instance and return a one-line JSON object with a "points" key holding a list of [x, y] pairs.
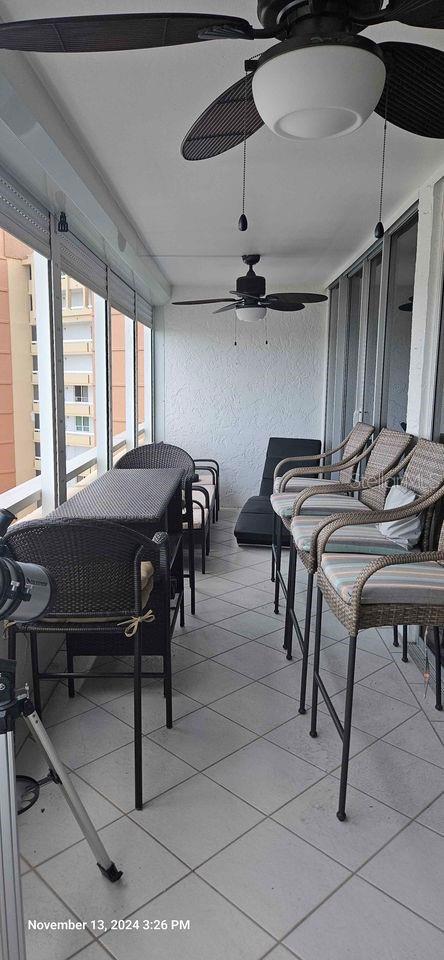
{"points": [[405, 588], [157, 456], [383, 465], [111, 597], [288, 483]]}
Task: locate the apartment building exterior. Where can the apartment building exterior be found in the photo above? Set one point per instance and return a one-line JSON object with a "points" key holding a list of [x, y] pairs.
{"points": [[19, 368]]}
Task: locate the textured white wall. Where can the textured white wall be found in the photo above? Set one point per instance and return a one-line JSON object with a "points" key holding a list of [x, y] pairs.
{"points": [[215, 399]]}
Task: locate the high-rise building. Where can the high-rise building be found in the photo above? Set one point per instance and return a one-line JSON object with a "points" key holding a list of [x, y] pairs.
{"points": [[19, 368]]}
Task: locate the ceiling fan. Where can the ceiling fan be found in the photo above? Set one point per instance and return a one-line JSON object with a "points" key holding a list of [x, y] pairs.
{"points": [[252, 303], [320, 80]]}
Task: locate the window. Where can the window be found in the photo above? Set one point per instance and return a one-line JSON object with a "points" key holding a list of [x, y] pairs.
{"points": [[35, 392], [331, 370], [76, 298], [19, 350], [79, 371], [81, 394], [36, 421], [372, 337], [399, 325], [118, 379], [354, 312], [143, 384], [83, 424]]}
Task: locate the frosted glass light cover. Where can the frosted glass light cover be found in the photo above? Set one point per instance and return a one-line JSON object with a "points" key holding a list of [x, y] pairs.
{"points": [[251, 314], [318, 92]]}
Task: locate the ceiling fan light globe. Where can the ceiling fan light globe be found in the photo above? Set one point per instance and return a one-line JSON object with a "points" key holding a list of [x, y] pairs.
{"points": [[319, 91], [251, 314]]}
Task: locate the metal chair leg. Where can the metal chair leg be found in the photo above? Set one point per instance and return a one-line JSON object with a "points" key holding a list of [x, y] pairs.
{"points": [[341, 815], [306, 648], [288, 634], [273, 545], [404, 657], [395, 637], [70, 669], [278, 564], [438, 686], [138, 720], [35, 673], [316, 661], [202, 550]]}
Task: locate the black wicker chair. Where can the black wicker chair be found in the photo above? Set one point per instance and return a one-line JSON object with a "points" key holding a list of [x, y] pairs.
{"points": [[111, 597], [160, 455]]}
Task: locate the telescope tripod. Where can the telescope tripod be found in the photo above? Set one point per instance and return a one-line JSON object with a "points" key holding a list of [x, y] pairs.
{"points": [[12, 707]]}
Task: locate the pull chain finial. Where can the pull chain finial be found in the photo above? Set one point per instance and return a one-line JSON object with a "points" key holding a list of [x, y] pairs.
{"points": [[243, 222], [379, 229]]}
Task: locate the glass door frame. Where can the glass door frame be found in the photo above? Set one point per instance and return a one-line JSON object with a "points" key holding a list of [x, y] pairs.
{"points": [[337, 375]]}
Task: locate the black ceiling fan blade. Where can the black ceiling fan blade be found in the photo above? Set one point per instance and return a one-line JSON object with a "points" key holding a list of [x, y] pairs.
{"points": [[231, 306], [123, 31], [224, 123], [416, 13], [414, 88], [189, 303], [296, 297], [284, 306]]}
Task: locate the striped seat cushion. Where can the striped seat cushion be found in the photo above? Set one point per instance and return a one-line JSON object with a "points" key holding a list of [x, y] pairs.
{"points": [[362, 538], [417, 583], [320, 506], [300, 483]]}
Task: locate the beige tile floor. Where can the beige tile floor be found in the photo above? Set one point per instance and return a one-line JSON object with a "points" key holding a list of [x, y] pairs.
{"points": [[238, 834]]}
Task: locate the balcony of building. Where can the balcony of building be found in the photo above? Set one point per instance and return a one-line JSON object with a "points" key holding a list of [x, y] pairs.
{"points": [[293, 808]]}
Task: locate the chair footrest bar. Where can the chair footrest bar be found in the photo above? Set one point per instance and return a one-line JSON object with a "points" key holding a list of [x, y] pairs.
{"points": [[329, 705]]}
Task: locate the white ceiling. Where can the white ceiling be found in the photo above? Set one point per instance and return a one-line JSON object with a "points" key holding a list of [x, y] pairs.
{"points": [[310, 206]]}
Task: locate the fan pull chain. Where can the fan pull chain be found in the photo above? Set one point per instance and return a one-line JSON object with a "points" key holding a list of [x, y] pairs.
{"points": [[266, 330], [235, 329], [379, 229], [243, 222]]}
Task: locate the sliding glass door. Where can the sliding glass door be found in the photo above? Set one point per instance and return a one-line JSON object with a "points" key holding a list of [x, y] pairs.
{"points": [[398, 331]]}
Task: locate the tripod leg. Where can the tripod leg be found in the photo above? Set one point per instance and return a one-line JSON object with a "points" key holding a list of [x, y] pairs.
{"points": [[38, 732], [12, 927]]}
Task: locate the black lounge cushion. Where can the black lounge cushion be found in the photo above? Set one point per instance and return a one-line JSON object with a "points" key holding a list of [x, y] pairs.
{"points": [[255, 521]]}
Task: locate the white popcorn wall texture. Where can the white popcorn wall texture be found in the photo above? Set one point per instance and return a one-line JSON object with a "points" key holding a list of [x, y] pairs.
{"points": [[222, 401]]}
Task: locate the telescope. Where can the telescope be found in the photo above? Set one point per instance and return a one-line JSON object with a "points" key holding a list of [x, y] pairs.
{"points": [[25, 595]]}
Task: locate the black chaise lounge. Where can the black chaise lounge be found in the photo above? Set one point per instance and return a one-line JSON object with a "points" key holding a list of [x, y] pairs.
{"points": [[255, 521]]}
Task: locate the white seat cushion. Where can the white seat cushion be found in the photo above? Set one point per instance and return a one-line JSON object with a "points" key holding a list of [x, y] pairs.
{"points": [[362, 538], [197, 519], [198, 495], [417, 583], [206, 476]]}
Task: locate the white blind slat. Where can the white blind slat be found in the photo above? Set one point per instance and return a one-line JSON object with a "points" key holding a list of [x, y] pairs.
{"points": [[121, 296], [82, 264], [144, 311], [23, 216]]}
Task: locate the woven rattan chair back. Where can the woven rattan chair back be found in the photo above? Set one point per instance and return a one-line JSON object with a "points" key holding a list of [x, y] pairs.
{"points": [[94, 566], [387, 451], [158, 455], [425, 472], [356, 441]]}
